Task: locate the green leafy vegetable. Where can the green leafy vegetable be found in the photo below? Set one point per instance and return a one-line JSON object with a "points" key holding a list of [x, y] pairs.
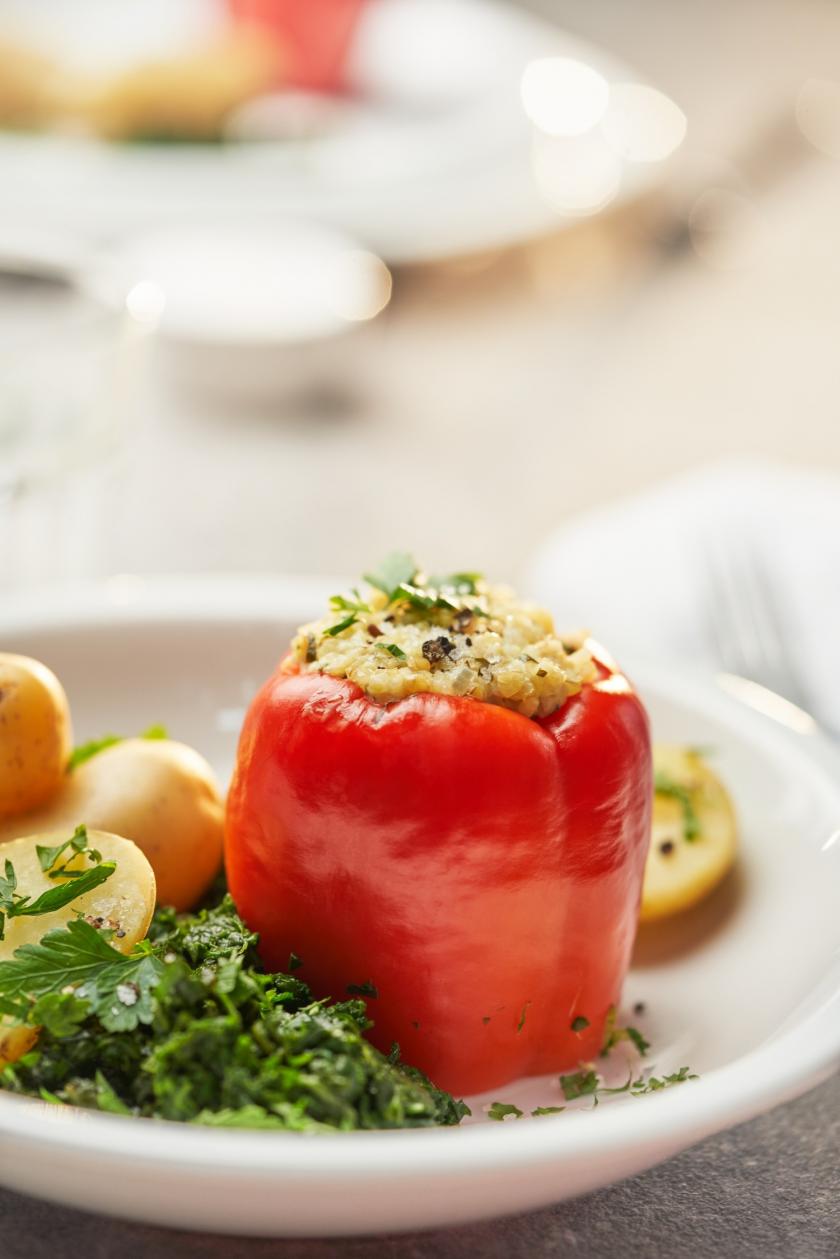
{"points": [[548, 1110], [501, 1110], [60, 1012], [665, 785], [86, 751], [190, 1027]]}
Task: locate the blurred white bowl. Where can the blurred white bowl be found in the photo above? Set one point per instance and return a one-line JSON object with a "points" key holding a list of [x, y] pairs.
{"points": [[260, 311]]}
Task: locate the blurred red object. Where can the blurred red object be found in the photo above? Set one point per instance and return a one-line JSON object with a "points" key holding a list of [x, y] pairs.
{"points": [[314, 34]]}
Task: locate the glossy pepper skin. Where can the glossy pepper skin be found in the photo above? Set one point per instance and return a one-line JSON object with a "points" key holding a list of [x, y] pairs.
{"points": [[481, 870]]}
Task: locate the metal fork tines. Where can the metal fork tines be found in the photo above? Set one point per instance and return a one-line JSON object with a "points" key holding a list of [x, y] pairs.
{"points": [[746, 622]]}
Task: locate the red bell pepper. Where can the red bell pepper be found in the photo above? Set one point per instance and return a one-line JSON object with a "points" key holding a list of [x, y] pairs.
{"points": [[476, 874]]}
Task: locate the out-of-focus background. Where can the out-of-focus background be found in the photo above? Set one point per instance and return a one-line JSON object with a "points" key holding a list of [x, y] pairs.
{"points": [[284, 285]]}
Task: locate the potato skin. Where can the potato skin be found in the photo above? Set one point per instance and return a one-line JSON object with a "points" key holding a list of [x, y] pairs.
{"points": [[35, 734], [159, 793]]}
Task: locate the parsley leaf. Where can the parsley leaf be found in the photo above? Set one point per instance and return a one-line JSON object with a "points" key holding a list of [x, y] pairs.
{"points": [[367, 989], [548, 1110], [395, 651], [580, 1024], [78, 843], [396, 569], [60, 1012], [339, 628], [500, 1111], [118, 987], [461, 583], [107, 1098], [613, 1035], [340, 603], [665, 785], [654, 1085], [579, 1084]]}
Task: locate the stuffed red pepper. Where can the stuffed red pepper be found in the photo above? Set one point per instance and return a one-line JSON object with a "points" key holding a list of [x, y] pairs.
{"points": [[441, 805]]}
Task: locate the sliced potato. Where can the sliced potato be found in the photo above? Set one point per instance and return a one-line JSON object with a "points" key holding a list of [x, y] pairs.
{"points": [[124, 903], [159, 793], [681, 868], [35, 734]]}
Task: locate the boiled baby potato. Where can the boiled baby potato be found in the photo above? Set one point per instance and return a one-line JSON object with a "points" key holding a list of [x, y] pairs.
{"points": [[35, 734], [159, 793], [694, 837], [124, 904]]}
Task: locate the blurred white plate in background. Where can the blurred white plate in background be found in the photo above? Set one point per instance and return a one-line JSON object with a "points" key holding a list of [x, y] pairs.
{"points": [[745, 989], [451, 145]]}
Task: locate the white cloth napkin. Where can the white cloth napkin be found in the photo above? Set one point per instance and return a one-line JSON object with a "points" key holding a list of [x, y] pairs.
{"points": [[637, 572]]}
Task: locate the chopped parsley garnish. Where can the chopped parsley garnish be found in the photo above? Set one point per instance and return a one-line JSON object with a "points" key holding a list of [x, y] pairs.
{"points": [[665, 785], [405, 588], [548, 1110], [523, 1016], [367, 989], [587, 1083], [339, 603], [501, 1110], [190, 1027], [86, 751], [577, 1084], [395, 651], [653, 1084], [342, 625], [613, 1035], [580, 1024]]}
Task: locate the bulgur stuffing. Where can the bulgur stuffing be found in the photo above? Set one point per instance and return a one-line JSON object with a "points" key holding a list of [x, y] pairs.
{"points": [[453, 635]]}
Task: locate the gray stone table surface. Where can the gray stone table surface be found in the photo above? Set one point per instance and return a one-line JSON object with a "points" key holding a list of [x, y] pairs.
{"points": [[769, 1189]]}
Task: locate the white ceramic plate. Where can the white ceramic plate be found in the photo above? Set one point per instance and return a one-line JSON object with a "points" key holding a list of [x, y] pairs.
{"points": [[745, 990], [435, 158]]}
